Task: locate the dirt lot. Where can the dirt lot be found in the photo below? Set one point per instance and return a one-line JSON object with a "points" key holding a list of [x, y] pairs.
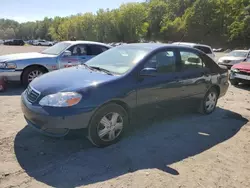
{"points": [[188, 150]]}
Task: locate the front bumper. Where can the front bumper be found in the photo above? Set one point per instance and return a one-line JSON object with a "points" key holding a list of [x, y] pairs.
{"points": [[11, 75], [38, 117], [239, 76], [226, 65]]}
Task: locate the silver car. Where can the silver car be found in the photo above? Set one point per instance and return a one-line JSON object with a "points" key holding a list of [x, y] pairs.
{"points": [[234, 57], [25, 67]]}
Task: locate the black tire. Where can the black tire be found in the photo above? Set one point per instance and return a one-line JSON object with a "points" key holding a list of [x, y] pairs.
{"points": [[95, 121], [27, 71], [203, 107], [39, 44], [234, 82]]}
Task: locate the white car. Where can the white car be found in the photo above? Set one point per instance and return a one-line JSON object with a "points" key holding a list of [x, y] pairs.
{"points": [[42, 43], [234, 57], [204, 48]]}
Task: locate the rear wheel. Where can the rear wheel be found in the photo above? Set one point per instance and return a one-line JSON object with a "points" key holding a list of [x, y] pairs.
{"points": [[209, 102], [107, 125], [31, 73]]}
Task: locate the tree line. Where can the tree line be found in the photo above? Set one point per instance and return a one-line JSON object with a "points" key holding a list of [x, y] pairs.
{"points": [[215, 22]]}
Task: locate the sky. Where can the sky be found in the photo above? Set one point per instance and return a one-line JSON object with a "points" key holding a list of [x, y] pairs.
{"points": [[31, 10]]}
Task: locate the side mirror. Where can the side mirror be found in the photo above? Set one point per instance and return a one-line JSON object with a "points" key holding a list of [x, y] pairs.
{"points": [[148, 72], [66, 53], [193, 60]]}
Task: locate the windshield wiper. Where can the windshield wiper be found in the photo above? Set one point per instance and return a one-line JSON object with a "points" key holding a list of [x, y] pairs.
{"points": [[86, 66], [101, 69]]}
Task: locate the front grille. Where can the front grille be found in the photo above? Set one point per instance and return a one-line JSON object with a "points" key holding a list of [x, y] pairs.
{"points": [[31, 94], [244, 73]]}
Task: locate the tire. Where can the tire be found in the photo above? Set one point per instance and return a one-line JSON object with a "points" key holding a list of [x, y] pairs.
{"points": [[26, 74], [39, 44], [96, 126], [234, 82], [204, 109]]}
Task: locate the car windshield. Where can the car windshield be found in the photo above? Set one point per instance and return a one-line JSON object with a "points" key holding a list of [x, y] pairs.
{"points": [[57, 48], [238, 54], [118, 60]]}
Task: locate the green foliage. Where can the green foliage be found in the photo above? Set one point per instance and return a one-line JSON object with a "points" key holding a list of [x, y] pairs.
{"points": [[215, 22]]}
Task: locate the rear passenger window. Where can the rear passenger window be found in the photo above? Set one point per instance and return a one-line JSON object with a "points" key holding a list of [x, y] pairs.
{"points": [[190, 60], [204, 49], [96, 50]]}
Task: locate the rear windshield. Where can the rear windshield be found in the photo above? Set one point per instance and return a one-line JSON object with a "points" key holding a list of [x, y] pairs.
{"points": [[206, 50]]}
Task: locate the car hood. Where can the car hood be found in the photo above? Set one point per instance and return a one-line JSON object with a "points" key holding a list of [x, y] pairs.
{"points": [[69, 79], [242, 66], [22, 56], [231, 58]]}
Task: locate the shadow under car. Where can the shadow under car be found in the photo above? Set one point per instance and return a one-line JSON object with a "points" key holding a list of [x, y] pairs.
{"points": [[73, 161]]}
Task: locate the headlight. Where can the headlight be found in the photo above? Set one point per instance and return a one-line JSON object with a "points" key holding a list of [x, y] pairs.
{"points": [[234, 70], [220, 61], [61, 99], [5, 65]]}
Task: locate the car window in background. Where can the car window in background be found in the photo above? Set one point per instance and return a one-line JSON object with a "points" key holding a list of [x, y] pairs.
{"points": [[56, 49], [164, 62], [204, 49], [96, 49], [238, 53], [118, 60], [190, 60]]}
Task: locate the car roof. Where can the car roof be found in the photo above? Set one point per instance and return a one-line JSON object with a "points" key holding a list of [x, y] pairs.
{"points": [[241, 50], [86, 42], [191, 44], [151, 46]]}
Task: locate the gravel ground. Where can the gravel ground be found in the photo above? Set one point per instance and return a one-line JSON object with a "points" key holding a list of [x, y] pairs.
{"points": [[185, 150]]}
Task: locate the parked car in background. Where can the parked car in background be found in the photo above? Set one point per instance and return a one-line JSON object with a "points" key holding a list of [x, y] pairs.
{"points": [[1, 41], [25, 67], [42, 43], [234, 57], [17, 42], [204, 48], [131, 80], [240, 73], [218, 50]]}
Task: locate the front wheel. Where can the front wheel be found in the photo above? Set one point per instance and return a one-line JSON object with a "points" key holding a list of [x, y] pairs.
{"points": [[107, 125], [31, 73], [209, 102]]}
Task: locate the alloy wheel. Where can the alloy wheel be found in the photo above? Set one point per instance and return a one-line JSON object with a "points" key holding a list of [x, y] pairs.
{"points": [[34, 74], [211, 101], [110, 127]]}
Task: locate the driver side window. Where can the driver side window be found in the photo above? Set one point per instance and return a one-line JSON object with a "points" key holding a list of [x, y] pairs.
{"points": [[163, 62]]}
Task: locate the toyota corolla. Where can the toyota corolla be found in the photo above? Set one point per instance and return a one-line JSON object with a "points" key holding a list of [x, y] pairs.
{"points": [[113, 88]]}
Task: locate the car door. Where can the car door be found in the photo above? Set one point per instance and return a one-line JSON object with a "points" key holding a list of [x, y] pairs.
{"points": [[79, 55], [195, 76], [161, 90]]}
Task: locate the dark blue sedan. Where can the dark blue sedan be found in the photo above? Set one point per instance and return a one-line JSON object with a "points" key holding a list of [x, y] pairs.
{"points": [[126, 81]]}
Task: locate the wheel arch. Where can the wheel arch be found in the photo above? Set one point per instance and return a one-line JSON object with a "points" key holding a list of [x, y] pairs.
{"points": [[217, 88], [119, 102], [33, 65]]}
